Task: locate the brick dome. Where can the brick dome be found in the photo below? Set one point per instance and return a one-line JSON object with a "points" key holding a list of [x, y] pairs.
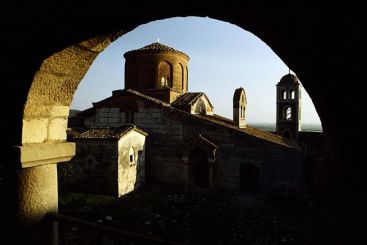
{"points": [[289, 78]]}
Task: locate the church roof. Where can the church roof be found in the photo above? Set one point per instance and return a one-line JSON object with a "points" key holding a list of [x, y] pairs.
{"points": [[216, 119], [219, 120], [155, 47], [108, 133], [189, 98], [289, 78]]}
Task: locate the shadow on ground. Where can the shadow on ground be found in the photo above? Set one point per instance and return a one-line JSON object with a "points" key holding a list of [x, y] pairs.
{"points": [[201, 217]]}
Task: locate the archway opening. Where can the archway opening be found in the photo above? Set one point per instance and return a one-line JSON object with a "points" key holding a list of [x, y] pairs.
{"points": [[240, 62], [201, 170]]}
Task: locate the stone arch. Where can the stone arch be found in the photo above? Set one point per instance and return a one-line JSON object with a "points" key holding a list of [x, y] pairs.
{"points": [[177, 76], [52, 89], [32, 119]]}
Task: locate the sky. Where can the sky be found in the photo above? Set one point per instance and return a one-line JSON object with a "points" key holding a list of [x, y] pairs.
{"points": [[223, 57]]}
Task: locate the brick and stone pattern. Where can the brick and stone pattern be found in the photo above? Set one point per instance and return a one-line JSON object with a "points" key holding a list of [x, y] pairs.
{"points": [[106, 117], [93, 169]]}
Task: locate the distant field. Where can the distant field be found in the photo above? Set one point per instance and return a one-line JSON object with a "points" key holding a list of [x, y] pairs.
{"points": [[308, 127]]}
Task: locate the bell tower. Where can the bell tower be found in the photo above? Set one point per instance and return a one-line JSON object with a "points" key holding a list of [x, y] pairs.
{"points": [[239, 108], [288, 107]]}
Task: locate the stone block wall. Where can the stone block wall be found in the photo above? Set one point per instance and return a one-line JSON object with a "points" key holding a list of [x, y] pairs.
{"points": [[93, 169], [169, 132], [106, 117], [280, 167]]}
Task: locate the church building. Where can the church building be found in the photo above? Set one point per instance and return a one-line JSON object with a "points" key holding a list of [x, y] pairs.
{"points": [[187, 144]]}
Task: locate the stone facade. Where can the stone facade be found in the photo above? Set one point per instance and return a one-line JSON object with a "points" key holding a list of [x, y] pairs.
{"points": [[105, 163], [169, 146], [188, 145]]}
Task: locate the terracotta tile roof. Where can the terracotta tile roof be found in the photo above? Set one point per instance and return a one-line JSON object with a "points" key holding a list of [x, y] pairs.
{"points": [[108, 133], [71, 132], [157, 101], [269, 136], [155, 47], [250, 131], [220, 118], [188, 98]]}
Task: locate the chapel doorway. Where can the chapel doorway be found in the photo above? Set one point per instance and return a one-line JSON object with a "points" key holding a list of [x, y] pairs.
{"points": [[200, 169], [249, 178]]}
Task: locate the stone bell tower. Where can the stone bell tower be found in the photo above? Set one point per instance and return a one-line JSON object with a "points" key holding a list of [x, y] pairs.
{"points": [[158, 71], [288, 107], [239, 108]]}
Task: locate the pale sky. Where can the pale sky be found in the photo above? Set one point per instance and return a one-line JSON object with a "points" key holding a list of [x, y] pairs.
{"points": [[223, 57]]}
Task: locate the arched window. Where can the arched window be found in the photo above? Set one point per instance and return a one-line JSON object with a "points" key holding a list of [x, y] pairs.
{"points": [[186, 78], [131, 156], [287, 113], [292, 94], [241, 112], [182, 77], [163, 82], [283, 94], [200, 107], [165, 72]]}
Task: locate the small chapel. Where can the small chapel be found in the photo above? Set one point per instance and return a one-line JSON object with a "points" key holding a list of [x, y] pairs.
{"points": [[184, 144]]}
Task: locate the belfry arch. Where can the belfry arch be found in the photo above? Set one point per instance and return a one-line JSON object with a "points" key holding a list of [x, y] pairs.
{"points": [[47, 60]]}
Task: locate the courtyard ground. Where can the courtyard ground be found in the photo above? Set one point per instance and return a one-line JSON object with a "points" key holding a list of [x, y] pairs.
{"points": [[201, 217]]}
